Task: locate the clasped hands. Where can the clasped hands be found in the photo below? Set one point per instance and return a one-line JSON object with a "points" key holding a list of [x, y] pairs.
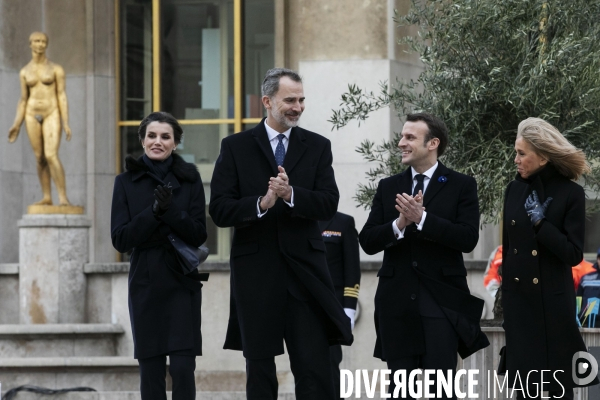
{"points": [[410, 209], [279, 186], [163, 195]]}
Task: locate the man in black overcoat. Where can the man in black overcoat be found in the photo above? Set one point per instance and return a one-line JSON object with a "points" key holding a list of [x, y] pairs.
{"points": [[343, 259], [423, 219], [273, 183]]}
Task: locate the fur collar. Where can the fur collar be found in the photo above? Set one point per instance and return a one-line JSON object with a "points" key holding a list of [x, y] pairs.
{"points": [[182, 170]]}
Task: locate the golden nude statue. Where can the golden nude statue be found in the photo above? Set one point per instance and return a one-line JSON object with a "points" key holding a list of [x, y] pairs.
{"points": [[43, 104]]}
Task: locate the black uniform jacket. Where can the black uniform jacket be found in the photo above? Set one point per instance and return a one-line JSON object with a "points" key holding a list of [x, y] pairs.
{"points": [[164, 305], [343, 257], [265, 251], [431, 257], [537, 283]]}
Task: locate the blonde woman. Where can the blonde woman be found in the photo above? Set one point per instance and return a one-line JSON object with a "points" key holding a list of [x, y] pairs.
{"points": [[543, 234]]}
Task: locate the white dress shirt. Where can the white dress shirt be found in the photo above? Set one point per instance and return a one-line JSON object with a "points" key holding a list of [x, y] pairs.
{"points": [[428, 174], [274, 141]]}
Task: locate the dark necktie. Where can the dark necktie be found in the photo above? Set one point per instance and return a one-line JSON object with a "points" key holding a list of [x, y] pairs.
{"points": [[419, 185], [280, 150]]}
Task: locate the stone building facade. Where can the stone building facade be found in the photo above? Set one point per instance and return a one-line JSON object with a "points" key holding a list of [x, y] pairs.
{"points": [[203, 61], [107, 51]]}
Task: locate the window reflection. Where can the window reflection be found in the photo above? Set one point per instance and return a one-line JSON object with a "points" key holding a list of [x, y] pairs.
{"points": [[196, 76], [259, 51], [136, 59], [131, 144], [197, 58], [201, 144]]}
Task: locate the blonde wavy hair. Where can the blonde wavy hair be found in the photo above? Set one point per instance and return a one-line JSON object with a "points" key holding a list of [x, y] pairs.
{"points": [[550, 144]]}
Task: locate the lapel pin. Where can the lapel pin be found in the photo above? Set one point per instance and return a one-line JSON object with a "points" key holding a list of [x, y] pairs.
{"points": [[442, 179]]}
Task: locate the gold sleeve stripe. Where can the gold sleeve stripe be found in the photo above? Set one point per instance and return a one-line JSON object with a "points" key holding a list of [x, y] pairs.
{"points": [[352, 291]]}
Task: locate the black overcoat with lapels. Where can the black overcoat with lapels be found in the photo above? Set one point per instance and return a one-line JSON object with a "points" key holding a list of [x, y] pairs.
{"points": [[284, 245], [538, 297], [164, 305], [432, 257]]}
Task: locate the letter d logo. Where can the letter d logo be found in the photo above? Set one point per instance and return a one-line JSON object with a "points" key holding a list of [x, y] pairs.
{"points": [[580, 367]]}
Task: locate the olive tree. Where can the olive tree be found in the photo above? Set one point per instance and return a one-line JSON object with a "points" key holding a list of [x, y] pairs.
{"points": [[488, 65]]}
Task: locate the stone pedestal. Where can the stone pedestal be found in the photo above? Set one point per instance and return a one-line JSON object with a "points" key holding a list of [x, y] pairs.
{"points": [[45, 209], [52, 252]]}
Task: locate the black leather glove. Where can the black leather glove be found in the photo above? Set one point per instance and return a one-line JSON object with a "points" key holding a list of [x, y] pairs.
{"points": [[535, 210], [162, 198]]}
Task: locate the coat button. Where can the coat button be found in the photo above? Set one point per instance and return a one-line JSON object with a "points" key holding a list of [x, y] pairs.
{"points": [[515, 251], [516, 279], [414, 264], [535, 281], [534, 253], [512, 222], [413, 296]]}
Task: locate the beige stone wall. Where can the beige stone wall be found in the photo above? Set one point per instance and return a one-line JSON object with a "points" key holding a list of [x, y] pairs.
{"points": [[335, 30], [15, 28], [317, 30], [81, 34], [402, 52], [63, 21]]}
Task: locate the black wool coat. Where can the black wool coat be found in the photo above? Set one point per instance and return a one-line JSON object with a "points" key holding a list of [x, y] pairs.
{"points": [[285, 244], [432, 257], [164, 305], [537, 283], [343, 257]]}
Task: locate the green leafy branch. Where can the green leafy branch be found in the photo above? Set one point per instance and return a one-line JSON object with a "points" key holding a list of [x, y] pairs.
{"points": [[487, 65]]}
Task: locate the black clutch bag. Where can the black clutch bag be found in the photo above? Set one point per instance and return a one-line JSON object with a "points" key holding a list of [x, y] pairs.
{"points": [[189, 257]]}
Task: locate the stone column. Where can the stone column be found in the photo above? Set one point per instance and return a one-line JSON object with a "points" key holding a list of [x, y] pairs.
{"points": [[52, 252]]}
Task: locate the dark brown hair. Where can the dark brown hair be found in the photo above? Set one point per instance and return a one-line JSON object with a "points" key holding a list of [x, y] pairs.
{"points": [[437, 129], [160, 116]]}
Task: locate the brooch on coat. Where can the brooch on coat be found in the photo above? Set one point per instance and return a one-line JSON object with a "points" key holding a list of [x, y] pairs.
{"points": [[442, 179]]}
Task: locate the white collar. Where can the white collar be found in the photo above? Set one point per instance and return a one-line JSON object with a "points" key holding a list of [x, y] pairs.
{"points": [[428, 173], [272, 133]]}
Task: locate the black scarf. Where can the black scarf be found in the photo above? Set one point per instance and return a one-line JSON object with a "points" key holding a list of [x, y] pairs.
{"points": [[182, 170], [544, 174], [540, 179], [158, 168]]}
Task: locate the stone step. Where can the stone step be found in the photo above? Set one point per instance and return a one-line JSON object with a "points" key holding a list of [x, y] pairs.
{"points": [[59, 340], [107, 374], [136, 396], [100, 373]]}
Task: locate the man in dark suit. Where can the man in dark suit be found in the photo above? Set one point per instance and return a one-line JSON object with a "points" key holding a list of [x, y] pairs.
{"points": [[273, 183], [343, 260], [423, 219]]}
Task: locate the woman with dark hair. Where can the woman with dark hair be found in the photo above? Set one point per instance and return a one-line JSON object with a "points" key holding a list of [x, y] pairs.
{"points": [[160, 194], [543, 233]]}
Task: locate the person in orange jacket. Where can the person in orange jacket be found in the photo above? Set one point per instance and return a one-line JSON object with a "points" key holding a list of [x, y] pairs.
{"points": [[583, 268], [491, 278]]}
